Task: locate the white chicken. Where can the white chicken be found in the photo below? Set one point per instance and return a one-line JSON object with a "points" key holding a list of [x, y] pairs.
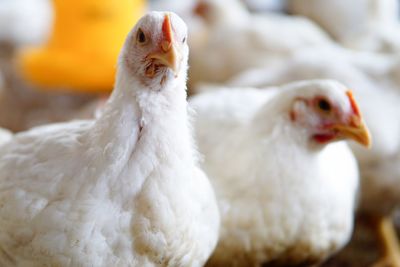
{"points": [[24, 22], [379, 101], [233, 32], [123, 190], [286, 191], [360, 24]]}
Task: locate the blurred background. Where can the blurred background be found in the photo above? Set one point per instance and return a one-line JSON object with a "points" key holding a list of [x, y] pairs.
{"points": [[58, 58]]}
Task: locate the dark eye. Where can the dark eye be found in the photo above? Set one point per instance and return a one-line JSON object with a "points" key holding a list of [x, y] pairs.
{"points": [[141, 37], [184, 40], [324, 105]]}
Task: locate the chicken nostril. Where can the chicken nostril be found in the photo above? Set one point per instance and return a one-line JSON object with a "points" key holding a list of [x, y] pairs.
{"points": [[165, 46]]}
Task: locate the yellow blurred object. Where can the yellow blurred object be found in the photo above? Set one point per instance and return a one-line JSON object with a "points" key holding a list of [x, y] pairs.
{"points": [[82, 52]]}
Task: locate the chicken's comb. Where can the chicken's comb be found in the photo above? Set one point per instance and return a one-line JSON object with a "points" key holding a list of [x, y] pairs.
{"points": [[166, 28], [353, 103], [201, 9]]}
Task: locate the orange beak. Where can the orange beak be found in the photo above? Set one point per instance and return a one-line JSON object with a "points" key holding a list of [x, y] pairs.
{"points": [[356, 129], [168, 54]]}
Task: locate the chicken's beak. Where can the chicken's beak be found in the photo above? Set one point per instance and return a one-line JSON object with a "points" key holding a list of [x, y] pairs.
{"points": [[355, 130], [168, 54]]}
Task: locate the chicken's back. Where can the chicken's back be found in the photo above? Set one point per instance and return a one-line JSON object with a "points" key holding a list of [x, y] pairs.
{"points": [[220, 112]]}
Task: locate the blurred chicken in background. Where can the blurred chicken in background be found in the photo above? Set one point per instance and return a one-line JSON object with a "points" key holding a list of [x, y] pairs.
{"points": [[25, 22], [236, 39], [359, 24]]}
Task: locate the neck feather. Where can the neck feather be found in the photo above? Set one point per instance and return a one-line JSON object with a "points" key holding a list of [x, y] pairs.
{"points": [[156, 119]]}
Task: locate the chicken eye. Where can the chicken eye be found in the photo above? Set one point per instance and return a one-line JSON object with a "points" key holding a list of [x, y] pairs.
{"points": [[141, 37], [324, 105], [184, 40]]}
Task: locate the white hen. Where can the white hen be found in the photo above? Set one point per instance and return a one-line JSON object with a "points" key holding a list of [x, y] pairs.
{"points": [[236, 40], [286, 193], [361, 24], [24, 22], [123, 190]]}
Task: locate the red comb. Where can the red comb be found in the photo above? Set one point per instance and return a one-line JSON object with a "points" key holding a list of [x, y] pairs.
{"points": [[166, 28], [353, 103], [201, 9]]}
